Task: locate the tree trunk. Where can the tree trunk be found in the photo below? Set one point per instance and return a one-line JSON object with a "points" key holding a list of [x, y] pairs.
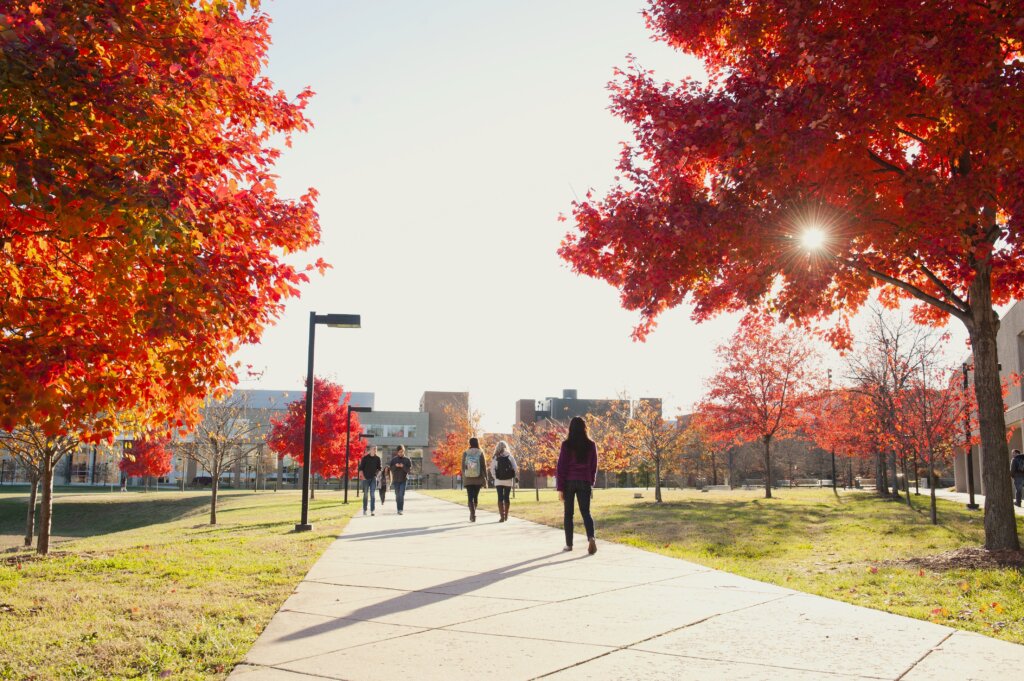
{"points": [[881, 483], [906, 481], [46, 505], [767, 467], [657, 479], [730, 464], [917, 477], [714, 471], [536, 489], [931, 487], [214, 486], [1000, 522], [30, 519], [895, 477], [834, 483]]}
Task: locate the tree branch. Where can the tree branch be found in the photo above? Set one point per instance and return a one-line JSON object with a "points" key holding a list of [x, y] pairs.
{"points": [[911, 289]]}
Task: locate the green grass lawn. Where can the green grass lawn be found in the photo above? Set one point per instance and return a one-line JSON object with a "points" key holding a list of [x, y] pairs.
{"points": [[139, 585], [852, 547]]}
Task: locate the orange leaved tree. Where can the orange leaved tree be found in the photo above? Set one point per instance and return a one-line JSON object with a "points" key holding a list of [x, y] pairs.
{"points": [[142, 232], [818, 163], [763, 386]]}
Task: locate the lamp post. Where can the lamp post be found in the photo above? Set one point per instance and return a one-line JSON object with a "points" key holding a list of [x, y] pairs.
{"points": [[338, 321], [967, 443], [348, 438], [834, 490]]}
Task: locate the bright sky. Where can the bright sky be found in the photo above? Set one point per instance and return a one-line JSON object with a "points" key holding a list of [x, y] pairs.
{"points": [[449, 135]]}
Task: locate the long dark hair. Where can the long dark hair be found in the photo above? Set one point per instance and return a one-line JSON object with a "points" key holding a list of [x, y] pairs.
{"points": [[577, 441]]}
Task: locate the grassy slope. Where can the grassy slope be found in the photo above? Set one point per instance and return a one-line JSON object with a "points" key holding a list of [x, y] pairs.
{"points": [[849, 547], [145, 588]]}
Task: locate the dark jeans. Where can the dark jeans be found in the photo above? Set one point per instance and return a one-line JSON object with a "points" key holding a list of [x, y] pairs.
{"points": [[504, 493], [473, 492], [369, 487], [1018, 484], [383, 489], [579, 490], [399, 488]]}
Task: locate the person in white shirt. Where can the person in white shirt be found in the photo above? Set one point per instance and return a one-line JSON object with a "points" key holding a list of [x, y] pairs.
{"points": [[505, 472]]}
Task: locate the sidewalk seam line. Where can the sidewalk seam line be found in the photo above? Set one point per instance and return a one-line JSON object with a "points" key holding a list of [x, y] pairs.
{"points": [[929, 652], [664, 633]]}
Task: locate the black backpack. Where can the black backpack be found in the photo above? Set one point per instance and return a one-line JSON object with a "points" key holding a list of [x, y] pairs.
{"points": [[504, 470]]}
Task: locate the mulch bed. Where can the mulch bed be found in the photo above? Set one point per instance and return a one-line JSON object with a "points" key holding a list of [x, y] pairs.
{"points": [[968, 558]]}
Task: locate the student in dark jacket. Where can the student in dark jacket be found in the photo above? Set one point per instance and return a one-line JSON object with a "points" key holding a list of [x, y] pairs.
{"points": [[575, 477], [1017, 474], [401, 467], [369, 466]]}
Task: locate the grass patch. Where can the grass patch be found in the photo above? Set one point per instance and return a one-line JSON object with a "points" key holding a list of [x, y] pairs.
{"points": [[141, 586], [853, 547]]}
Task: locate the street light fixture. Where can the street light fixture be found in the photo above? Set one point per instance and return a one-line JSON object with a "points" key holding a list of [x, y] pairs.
{"points": [[337, 321]]}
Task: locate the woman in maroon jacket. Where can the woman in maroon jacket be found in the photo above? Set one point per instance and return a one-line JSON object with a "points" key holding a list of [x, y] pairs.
{"points": [[575, 476]]}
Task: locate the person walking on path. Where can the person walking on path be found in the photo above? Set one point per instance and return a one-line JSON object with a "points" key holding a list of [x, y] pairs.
{"points": [[369, 467], [474, 475], [1017, 474], [382, 483], [400, 466], [575, 477], [504, 470]]}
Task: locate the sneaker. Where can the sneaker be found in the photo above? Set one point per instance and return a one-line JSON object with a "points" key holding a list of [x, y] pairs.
{"points": [[567, 548], [592, 547], [372, 513], [399, 513], [364, 511]]}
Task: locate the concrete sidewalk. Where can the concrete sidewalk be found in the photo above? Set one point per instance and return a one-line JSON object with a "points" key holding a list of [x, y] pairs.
{"points": [[962, 497], [428, 595]]}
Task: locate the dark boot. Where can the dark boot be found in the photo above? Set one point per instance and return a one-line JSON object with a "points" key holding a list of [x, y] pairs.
{"points": [[504, 511], [501, 511], [472, 512]]}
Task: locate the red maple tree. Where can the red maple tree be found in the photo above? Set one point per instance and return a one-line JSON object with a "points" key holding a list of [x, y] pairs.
{"points": [[818, 163], [141, 230], [332, 429], [763, 386], [149, 457]]}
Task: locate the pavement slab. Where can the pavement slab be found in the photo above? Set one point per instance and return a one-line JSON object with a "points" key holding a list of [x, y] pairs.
{"points": [[429, 595]]}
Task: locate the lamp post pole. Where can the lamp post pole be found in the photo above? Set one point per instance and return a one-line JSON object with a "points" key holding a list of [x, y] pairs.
{"points": [[967, 443], [834, 491], [348, 438], [307, 440], [349, 321]]}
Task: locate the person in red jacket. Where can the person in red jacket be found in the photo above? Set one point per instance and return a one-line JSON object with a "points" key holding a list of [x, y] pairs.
{"points": [[575, 477]]}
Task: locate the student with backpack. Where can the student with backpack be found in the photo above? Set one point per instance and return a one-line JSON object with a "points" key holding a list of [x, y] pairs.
{"points": [[1017, 474], [504, 470], [474, 475]]}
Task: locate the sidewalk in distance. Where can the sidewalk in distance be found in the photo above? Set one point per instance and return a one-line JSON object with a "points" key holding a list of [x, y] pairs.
{"points": [[963, 497], [428, 595]]}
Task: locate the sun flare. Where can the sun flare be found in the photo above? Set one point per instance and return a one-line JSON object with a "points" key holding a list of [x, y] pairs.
{"points": [[812, 238]]}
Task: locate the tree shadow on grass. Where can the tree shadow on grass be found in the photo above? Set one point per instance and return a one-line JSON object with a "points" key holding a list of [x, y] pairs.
{"points": [[79, 519]]}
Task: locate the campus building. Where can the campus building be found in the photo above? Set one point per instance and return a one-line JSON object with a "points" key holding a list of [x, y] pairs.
{"points": [[1010, 346], [418, 431]]}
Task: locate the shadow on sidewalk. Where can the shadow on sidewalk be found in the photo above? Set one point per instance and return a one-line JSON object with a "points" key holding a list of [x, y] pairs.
{"points": [[403, 532], [408, 600]]}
